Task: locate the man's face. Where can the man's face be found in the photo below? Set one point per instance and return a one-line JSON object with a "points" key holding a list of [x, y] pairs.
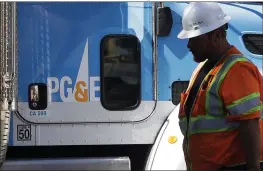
{"points": [[200, 47]]}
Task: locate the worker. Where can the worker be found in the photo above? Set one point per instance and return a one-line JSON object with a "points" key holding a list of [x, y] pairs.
{"points": [[220, 110]]}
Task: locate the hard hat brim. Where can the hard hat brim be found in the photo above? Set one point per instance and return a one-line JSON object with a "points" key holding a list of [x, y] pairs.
{"points": [[194, 33]]}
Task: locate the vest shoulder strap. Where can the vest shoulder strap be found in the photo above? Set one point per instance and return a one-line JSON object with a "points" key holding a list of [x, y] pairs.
{"points": [[226, 66]]}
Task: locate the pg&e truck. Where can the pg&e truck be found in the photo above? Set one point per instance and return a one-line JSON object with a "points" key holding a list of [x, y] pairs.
{"points": [[96, 85]]}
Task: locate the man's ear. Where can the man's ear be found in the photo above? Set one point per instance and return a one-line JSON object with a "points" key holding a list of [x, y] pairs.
{"points": [[218, 35], [213, 37]]}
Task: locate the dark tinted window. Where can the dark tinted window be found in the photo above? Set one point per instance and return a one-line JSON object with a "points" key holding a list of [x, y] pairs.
{"points": [[120, 72], [177, 88]]}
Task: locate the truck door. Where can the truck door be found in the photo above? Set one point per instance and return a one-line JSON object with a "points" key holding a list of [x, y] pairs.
{"points": [[85, 62]]}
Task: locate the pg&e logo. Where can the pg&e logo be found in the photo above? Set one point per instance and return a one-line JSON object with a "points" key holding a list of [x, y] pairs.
{"points": [[69, 93]]}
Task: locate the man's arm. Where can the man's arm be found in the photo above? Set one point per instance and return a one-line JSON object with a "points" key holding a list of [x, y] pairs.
{"points": [[241, 92], [250, 137]]}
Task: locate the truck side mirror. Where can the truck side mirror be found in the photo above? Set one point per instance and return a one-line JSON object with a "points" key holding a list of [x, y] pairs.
{"points": [[37, 96], [164, 21]]}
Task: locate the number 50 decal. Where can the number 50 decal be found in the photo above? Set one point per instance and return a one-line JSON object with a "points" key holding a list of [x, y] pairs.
{"points": [[23, 132]]}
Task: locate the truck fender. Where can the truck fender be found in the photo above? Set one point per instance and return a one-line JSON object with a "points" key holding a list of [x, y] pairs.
{"points": [[167, 152]]}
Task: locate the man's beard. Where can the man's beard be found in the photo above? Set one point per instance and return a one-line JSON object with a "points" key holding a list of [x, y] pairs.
{"points": [[199, 59]]}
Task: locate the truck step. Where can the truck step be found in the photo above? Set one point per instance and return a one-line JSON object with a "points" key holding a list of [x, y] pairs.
{"points": [[114, 163]]}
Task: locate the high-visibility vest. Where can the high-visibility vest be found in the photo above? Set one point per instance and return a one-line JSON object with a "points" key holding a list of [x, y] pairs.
{"points": [[211, 140]]}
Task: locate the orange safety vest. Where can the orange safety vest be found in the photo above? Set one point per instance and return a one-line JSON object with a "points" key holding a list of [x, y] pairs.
{"points": [[211, 137]]}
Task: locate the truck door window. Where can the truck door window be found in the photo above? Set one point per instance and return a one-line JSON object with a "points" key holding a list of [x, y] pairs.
{"points": [[177, 88], [120, 72]]}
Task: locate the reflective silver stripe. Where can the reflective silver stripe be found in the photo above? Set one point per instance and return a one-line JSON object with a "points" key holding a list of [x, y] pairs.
{"points": [[214, 104], [245, 106], [212, 125], [206, 124]]}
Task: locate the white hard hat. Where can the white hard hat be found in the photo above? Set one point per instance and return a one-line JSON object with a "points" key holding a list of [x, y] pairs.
{"points": [[200, 18]]}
